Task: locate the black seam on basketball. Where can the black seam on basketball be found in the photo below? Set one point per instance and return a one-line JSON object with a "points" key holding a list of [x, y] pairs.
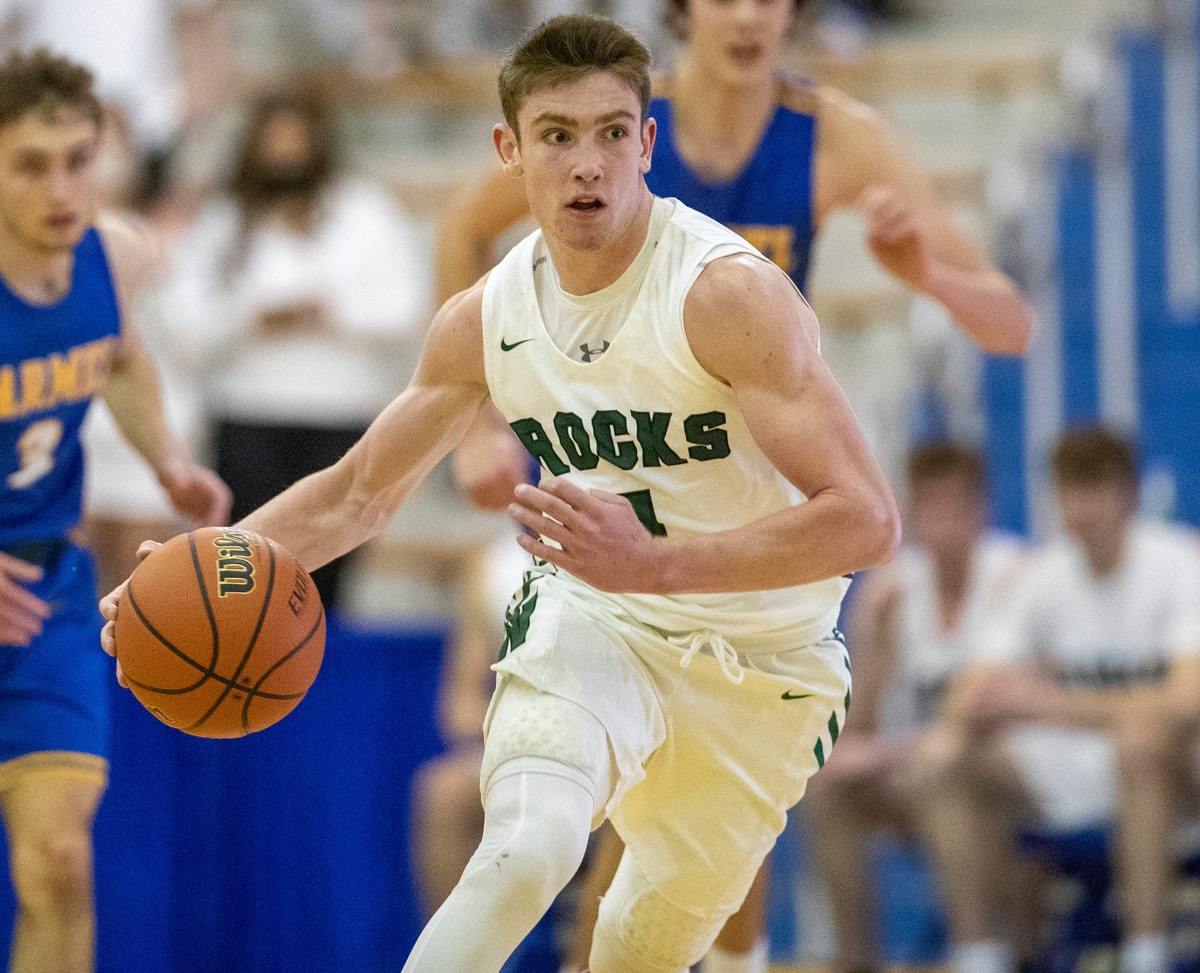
{"points": [[204, 673], [208, 608], [254, 691], [262, 614]]}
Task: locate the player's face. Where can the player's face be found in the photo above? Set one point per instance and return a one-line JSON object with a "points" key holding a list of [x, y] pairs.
{"points": [[47, 181], [738, 42], [583, 151], [1096, 514], [945, 514]]}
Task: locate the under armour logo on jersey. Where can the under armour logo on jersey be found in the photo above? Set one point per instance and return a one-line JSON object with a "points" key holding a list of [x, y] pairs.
{"points": [[591, 354]]}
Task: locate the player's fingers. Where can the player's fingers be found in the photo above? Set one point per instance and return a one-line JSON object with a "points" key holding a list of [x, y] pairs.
{"points": [[532, 545], [539, 523], [121, 676], [146, 548], [108, 641], [20, 570], [221, 502], [566, 491], [546, 502], [19, 601]]}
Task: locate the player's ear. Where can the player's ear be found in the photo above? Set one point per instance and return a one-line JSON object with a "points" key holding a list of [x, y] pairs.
{"points": [[649, 131], [508, 147]]}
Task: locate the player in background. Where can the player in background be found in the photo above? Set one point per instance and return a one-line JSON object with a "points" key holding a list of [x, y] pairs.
{"points": [[770, 156], [1083, 699], [658, 669], [67, 274], [914, 623]]}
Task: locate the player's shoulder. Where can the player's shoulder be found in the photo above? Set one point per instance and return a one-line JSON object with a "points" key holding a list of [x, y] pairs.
{"points": [[463, 312], [799, 94], [128, 242], [845, 119]]}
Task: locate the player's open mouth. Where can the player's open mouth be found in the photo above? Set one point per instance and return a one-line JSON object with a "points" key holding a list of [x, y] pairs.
{"points": [[745, 53], [585, 204]]}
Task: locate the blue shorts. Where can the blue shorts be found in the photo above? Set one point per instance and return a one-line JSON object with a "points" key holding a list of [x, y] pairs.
{"points": [[55, 693]]}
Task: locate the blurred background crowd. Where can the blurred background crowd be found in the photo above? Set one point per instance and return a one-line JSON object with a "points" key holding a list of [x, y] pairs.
{"points": [[293, 158]]}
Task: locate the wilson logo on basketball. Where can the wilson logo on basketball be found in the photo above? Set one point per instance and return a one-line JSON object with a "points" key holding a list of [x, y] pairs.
{"points": [[235, 569]]}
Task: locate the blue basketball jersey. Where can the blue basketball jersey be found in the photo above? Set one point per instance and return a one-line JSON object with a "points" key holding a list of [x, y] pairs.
{"points": [[770, 202], [53, 360]]}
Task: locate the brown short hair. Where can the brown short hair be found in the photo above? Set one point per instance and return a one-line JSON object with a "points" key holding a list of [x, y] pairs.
{"points": [[564, 49], [43, 82], [1088, 455], [931, 460]]}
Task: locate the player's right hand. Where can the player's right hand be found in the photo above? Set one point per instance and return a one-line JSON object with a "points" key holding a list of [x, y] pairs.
{"points": [[21, 611], [108, 608]]}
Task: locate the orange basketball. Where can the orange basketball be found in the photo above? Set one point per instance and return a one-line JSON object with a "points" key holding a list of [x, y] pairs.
{"points": [[220, 632]]}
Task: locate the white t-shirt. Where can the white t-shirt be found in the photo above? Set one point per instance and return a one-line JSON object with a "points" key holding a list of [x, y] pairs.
{"points": [[1106, 632], [928, 651]]}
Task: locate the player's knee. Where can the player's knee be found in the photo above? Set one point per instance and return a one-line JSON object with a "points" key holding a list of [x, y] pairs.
{"points": [[543, 856], [52, 870], [645, 933], [535, 836]]}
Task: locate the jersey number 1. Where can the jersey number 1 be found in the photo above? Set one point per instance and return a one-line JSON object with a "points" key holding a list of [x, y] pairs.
{"points": [[643, 506]]}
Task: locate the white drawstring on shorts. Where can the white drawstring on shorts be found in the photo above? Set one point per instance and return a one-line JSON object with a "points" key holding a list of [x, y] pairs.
{"points": [[722, 651]]}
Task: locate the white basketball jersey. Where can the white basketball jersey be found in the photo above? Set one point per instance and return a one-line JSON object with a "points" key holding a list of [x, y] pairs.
{"points": [[647, 421], [929, 651]]}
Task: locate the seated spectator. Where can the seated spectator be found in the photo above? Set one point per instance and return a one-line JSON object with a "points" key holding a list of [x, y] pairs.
{"points": [[913, 624], [301, 295], [1084, 702]]}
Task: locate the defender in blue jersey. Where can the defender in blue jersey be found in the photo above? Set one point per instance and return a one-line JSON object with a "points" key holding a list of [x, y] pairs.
{"points": [[65, 276], [771, 157]]}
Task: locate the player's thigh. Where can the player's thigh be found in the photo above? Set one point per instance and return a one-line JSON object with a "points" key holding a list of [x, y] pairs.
{"points": [[56, 694], [736, 758]]}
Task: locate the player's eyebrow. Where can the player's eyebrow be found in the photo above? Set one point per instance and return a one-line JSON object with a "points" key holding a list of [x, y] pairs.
{"points": [[551, 118]]}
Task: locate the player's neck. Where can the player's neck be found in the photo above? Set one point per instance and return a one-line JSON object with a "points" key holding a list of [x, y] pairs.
{"points": [[718, 125], [35, 274], [587, 271]]}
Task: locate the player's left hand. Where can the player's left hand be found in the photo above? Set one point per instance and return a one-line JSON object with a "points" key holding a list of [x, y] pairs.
{"points": [[196, 492], [894, 235], [601, 541]]}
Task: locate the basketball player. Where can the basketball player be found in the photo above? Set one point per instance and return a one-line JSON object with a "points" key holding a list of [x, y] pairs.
{"points": [[65, 278], [670, 660], [771, 157], [1097, 668], [914, 623]]}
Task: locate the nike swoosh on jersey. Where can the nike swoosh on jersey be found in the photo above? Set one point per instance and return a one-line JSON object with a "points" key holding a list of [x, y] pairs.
{"points": [[789, 695], [505, 346]]}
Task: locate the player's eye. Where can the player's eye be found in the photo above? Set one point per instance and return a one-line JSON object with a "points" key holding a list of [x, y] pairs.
{"points": [[31, 165], [78, 159], [555, 136], [617, 132]]}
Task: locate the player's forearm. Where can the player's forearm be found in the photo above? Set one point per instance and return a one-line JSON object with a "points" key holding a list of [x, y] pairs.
{"points": [[134, 397], [827, 537], [985, 304], [320, 517]]}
